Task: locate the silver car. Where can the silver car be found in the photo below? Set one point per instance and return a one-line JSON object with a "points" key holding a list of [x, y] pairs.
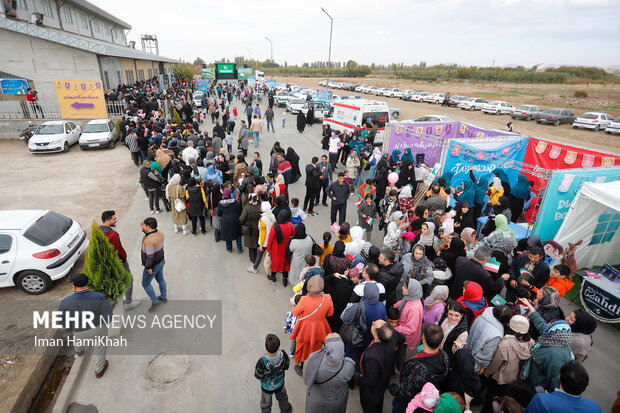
{"points": [[527, 112], [98, 133]]}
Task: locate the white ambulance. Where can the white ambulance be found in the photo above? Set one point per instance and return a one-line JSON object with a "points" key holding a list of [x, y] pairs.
{"points": [[346, 115]]}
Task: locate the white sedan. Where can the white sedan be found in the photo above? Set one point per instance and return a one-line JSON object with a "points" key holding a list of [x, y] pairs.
{"points": [[472, 104], [498, 107], [613, 126], [54, 136], [38, 247], [435, 98], [434, 118], [592, 120]]}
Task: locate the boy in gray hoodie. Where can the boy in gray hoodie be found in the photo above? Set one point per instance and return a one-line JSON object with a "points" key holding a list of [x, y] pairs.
{"points": [[270, 370]]}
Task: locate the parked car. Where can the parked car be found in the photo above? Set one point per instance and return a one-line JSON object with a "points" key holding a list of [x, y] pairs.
{"points": [[323, 83], [379, 91], [294, 105], [333, 84], [395, 112], [38, 247], [435, 98], [359, 88], [527, 112], [434, 118], [372, 90], [472, 104], [400, 93], [555, 116], [454, 100], [498, 107], [592, 120], [320, 110], [54, 136], [418, 97], [409, 95], [99, 133], [613, 126], [390, 92], [280, 99]]}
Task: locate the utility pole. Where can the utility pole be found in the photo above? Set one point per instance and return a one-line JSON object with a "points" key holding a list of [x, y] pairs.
{"points": [[249, 51], [269, 40], [329, 56]]}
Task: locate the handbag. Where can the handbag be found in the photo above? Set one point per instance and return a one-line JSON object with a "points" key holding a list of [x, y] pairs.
{"points": [[246, 230], [352, 333], [316, 248], [267, 263], [179, 205]]}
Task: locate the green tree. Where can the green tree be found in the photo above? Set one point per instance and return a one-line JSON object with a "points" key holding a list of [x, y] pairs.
{"points": [[185, 70], [199, 61], [103, 267]]}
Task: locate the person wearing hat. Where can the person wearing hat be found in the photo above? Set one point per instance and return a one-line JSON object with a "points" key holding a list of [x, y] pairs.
{"points": [[515, 347], [84, 300]]}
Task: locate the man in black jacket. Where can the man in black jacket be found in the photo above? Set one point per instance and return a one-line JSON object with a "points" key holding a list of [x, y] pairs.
{"points": [[151, 182], [534, 262], [339, 192], [376, 366], [390, 273], [472, 269], [429, 365], [312, 185]]}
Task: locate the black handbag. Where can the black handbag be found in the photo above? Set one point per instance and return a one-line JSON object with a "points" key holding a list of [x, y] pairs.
{"points": [[352, 333], [246, 230], [316, 248]]}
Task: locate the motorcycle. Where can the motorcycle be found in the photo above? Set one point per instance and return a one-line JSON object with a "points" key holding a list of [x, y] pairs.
{"points": [[27, 133]]}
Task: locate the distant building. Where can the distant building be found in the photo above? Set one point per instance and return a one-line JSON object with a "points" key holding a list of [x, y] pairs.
{"points": [[48, 40]]}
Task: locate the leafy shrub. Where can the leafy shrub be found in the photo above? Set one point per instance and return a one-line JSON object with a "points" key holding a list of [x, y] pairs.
{"points": [[581, 94]]}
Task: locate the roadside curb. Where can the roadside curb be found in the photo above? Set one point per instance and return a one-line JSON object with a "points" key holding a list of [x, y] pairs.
{"points": [[70, 385]]}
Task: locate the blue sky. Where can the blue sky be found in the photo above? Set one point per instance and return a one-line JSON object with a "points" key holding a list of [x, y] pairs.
{"points": [[466, 32]]}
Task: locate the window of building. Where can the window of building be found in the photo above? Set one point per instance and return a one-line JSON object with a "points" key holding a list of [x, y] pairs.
{"points": [[21, 4], [47, 8], [67, 16], [608, 223], [156, 72], [150, 72], [129, 76], [118, 75], [140, 74], [107, 30], [83, 21], [106, 80], [95, 24]]}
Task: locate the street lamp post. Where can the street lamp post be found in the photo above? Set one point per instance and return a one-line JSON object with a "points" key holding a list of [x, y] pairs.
{"points": [[329, 58], [269, 40], [249, 51]]}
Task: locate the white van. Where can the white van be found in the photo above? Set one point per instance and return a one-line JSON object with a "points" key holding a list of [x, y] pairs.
{"points": [[346, 115]]}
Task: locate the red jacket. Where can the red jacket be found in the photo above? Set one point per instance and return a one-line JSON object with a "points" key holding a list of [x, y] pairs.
{"points": [[115, 240]]}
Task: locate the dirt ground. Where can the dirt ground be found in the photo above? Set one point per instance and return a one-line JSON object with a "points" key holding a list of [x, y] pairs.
{"points": [[563, 133], [72, 184]]}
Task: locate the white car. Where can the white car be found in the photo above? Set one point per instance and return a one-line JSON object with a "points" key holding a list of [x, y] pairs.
{"points": [[389, 92], [323, 83], [372, 90], [435, 98], [359, 88], [280, 99], [320, 110], [498, 107], [472, 104], [613, 126], [398, 93], [593, 120], [197, 98], [54, 136], [38, 247], [378, 91], [99, 133], [418, 97], [434, 118], [294, 105]]}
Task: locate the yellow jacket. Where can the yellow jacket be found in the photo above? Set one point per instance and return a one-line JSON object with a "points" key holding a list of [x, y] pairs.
{"points": [[495, 194]]}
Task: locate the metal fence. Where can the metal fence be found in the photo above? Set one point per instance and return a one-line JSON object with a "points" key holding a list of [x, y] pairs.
{"points": [[22, 109]]}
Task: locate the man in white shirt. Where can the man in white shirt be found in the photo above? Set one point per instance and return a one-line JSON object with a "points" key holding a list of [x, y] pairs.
{"points": [[189, 153], [370, 275]]}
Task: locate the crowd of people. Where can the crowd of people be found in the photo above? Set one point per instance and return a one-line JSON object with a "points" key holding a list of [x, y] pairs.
{"points": [[435, 315]]}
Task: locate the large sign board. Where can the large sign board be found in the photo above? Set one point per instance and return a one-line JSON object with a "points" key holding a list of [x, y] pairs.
{"points": [[251, 81], [244, 73], [203, 85], [599, 299], [80, 99], [226, 71], [562, 188], [13, 86], [208, 74]]}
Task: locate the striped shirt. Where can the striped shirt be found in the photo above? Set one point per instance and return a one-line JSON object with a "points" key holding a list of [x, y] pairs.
{"points": [[152, 249]]}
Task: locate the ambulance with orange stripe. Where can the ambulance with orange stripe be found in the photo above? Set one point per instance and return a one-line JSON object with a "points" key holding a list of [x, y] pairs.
{"points": [[346, 115]]}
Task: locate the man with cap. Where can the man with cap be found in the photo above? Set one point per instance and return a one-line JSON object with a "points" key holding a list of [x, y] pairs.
{"points": [[83, 300], [109, 221]]}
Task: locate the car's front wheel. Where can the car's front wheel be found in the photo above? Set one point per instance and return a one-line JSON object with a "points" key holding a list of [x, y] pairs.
{"points": [[596, 128], [498, 113], [112, 144], [65, 148], [33, 282]]}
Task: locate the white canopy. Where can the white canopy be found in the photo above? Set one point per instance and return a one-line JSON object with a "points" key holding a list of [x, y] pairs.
{"points": [[593, 219]]}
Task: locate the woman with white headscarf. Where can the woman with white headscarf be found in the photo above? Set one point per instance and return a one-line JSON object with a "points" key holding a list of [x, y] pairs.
{"points": [[428, 239], [326, 375], [266, 221], [174, 192], [394, 230], [495, 191], [411, 312]]}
